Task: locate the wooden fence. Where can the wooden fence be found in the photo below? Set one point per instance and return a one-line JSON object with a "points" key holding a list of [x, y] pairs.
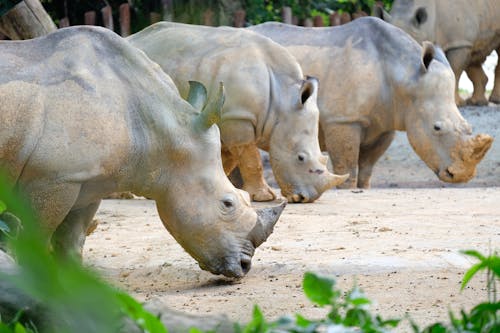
{"points": [[239, 18]]}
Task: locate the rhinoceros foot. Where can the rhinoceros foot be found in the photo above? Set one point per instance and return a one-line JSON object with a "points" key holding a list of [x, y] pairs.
{"points": [[477, 101], [260, 193], [495, 99]]}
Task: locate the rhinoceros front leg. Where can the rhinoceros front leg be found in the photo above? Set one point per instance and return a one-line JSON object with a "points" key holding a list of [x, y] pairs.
{"points": [[369, 155], [252, 172], [495, 93], [69, 237], [342, 142], [458, 59], [479, 81]]}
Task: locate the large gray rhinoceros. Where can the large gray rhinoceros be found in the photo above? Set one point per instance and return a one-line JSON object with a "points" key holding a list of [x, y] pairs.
{"points": [[268, 105], [375, 80], [468, 31], [84, 114]]}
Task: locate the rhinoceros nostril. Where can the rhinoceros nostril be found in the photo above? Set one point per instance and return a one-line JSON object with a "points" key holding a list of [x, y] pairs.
{"points": [[246, 264], [449, 173], [317, 171]]}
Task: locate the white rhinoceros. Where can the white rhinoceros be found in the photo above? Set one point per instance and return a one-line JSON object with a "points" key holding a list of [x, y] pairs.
{"points": [[268, 104], [468, 31], [84, 114], [375, 80]]}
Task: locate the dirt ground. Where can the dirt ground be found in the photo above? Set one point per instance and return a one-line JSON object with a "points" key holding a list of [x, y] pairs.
{"points": [[399, 241]]}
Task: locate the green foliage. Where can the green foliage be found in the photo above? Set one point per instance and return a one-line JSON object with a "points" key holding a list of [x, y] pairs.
{"points": [[74, 297]]}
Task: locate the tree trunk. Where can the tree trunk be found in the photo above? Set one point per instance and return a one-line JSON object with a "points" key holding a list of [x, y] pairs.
{"points": [[28, 19]]}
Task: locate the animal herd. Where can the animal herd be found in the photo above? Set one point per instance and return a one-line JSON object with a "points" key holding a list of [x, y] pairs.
{"points": [[170, 111]]}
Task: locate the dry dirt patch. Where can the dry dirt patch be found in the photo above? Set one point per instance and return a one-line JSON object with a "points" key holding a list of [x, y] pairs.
{"points": [[400, 245]]}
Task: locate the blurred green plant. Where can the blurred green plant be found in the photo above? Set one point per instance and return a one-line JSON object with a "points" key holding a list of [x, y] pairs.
{"points": [[74, 298]]}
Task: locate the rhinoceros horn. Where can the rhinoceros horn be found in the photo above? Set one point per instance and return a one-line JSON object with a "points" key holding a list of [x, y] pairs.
{"points": [[266, 219], [197, 96], [212, 111], [479, 145]]}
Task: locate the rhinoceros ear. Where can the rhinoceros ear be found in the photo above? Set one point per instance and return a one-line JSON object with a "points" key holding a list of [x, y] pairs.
{"points": [[380, 12], [212, 111], [309, 88], [428, 53], [197, 96]]}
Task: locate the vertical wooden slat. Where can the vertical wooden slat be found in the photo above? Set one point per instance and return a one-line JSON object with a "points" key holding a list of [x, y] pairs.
{"points": [[286, 15], [358, 14], [154, 17], [239, 18], [318, 21], [124, 19], [89, 18], [308, 23], [345, 18], [208, 17], [334, 19], [107, 17], [64, 22]]}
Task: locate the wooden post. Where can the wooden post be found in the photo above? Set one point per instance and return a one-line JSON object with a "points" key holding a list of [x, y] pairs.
{"points": [[154, 17], [334, 19], [239, 18], [208, 17], [286, 15], [107, 17], [64, 22], [168, 10], [124, 19], [318, 21], [358, 15], [89, 18], [345, 18], [308, 23], [28, 19]]}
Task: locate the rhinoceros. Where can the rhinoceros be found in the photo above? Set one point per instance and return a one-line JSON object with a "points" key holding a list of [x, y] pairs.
{"points": [[84, 114], [375, 80], [269, 105], [468, 31]]}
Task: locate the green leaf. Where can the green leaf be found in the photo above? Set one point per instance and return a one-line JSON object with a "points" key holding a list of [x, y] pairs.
{"points": [[19, 328], [257, 324], [318, 289], [3, 206], [301, 321], [475, 254], [144, 319], [471, 272]]}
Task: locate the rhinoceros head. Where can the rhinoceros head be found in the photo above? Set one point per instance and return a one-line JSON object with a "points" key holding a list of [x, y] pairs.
{"points": [[416, 17], [211, 219], [436, 130], [298, 165]]}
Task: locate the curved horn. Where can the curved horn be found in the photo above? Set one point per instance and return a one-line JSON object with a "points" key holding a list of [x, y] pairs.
{"points": [[266, 219], [197, 95], [212, 111], [334, 180], [381, 14], [479, 146]]}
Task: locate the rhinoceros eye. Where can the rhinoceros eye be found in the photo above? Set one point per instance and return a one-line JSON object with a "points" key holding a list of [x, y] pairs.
{"points": [[228, 202], [437, 127]]}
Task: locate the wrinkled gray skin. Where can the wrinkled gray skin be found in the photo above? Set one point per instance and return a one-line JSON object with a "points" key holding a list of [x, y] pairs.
{"points": [[85, 114], [375, 80], [467, 31], [268, 105]]}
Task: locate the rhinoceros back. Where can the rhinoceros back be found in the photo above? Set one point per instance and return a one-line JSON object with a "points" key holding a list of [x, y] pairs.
{"points": [[78, 103]]}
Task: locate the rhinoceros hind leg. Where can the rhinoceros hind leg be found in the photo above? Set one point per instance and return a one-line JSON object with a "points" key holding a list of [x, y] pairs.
{"points": [[369, 155], [252, 172], [495, 93], [458, 59], [343, 142], [479, 81], [69, 237]]}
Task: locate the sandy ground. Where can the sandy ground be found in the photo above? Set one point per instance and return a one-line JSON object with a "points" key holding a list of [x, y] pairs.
{"points": [[400, 241]]}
